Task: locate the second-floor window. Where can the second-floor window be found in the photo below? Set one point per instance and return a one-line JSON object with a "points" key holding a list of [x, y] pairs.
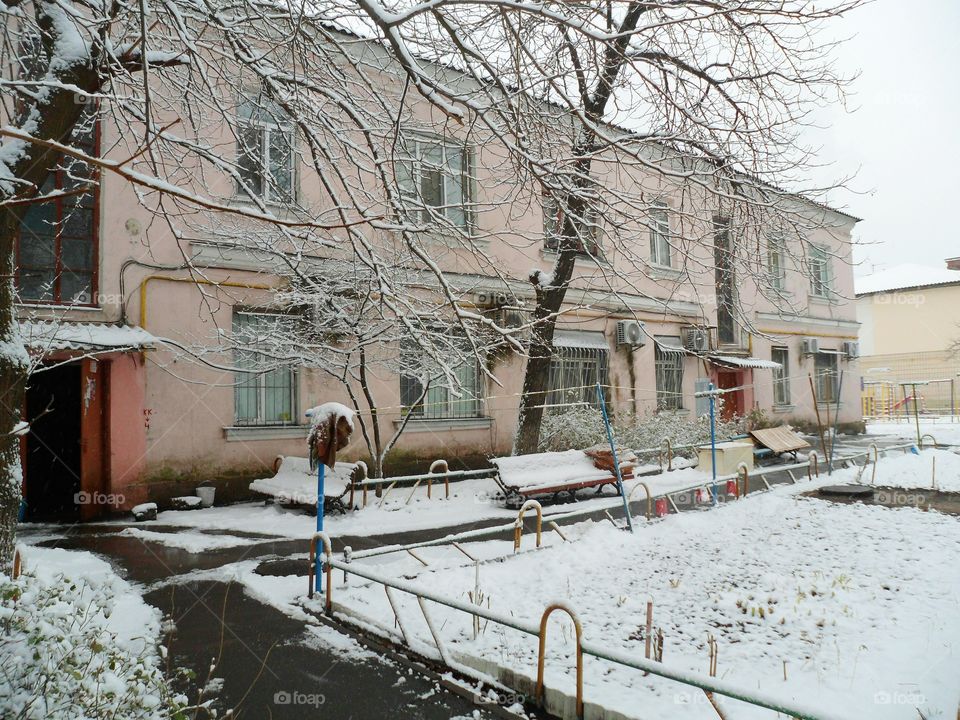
{"points": [[265, 150], [820, 275], [57, 239], [264, 394], [776, 257], [668, 366], [659, 224], [554, 219], [781, 376], [433, 176]]}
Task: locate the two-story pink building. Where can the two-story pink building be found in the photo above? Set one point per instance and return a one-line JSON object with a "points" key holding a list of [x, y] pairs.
{"points": [[115, 305]]}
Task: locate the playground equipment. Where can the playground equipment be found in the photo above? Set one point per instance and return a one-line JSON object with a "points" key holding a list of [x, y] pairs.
{"points": [[518, 524]]}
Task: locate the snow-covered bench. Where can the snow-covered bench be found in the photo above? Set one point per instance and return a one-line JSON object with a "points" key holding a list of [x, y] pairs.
{"points": [[554, 473], [296, 484]]}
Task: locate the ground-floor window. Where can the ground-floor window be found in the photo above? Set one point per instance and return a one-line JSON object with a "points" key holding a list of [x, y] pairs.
{"points": [[825, 367], [574, 374], [781, 376], [668, 365], [264, 393], [444, 399]]}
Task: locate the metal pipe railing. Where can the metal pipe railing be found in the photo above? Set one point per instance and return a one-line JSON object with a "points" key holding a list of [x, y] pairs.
{"points": [[518, 523], [601, 651], [328, 552], [541, 655], [649, 497]]}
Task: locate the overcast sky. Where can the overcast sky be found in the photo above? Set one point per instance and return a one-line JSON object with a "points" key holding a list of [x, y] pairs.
{"points": [[902, 131]]}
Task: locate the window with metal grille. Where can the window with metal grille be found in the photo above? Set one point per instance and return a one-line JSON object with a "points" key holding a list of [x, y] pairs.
{"points": [[781, 376], [553, 220], [668, 366], [444, 400], [265, 394], [820, 275], [56, 247], [265, 150], [825, 370], [574, 374], [725, 282], [659, 224], [433, 175]]}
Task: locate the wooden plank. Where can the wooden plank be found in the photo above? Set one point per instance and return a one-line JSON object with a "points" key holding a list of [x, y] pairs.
{"points": [[779, 439]]}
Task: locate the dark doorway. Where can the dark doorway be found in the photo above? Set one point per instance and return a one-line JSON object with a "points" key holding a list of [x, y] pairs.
{"points": [[732, 401], [53, 444]]}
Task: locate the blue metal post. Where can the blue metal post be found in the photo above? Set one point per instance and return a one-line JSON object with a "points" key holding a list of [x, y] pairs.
{"points": [[713, 443], [616, 461], [321, 468]]}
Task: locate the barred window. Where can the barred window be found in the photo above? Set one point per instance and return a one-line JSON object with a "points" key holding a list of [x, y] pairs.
{"points": [[668, 366], [574, 374], [825, 366], [263, 394], [459, 399], [781, 376]]}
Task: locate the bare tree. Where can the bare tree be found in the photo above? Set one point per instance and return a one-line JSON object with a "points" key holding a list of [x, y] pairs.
{"points": [[701, 98]]}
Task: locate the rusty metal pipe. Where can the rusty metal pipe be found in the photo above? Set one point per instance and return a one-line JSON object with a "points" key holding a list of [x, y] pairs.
{"points": [[446, 479], [649, 497], [543, 649], [927, 435], [328, 551], [518, 524], [743, 473], [814, 465], [876, 458]]}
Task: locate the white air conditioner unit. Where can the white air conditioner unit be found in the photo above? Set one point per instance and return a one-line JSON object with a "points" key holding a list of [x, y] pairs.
{"points": [[492, 299], [809, 346], [696, 339], [631, 333], [851, 348]]}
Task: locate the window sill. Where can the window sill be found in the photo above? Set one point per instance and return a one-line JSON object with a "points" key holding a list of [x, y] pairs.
{"points": [[783, 408], [823, 300], [682, 412], [242, 433], [439, 424], [664, 272], [582, 259]]}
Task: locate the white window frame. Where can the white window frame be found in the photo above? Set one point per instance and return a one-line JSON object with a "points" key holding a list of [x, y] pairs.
{"points": [[776, 260], [256, 112], [589, 244], [821, 275], [412, 150], [661, 250], [440, 402], [827, 380], [781, 376], [573, 375]]}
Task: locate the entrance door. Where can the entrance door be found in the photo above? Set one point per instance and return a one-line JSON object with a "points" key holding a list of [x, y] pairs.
{"points": [[732, 402], [53, 444]]}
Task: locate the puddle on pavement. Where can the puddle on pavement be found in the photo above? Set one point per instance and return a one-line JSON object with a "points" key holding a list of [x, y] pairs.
{"points": [[292, 678], [924, 499]]}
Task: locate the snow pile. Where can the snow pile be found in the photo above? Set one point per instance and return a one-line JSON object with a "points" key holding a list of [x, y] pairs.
{"points": [[194, 542], [547, 469], [942, 429], [295, 483], [850, 610], [322, 413], [78, 641], [931, 469]]}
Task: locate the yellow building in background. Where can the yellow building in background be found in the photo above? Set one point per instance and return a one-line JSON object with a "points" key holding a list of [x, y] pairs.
{"points": [[909, 323]]}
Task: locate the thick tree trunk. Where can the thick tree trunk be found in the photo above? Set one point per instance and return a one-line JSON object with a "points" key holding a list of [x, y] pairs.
{"points": [[13, 377]]}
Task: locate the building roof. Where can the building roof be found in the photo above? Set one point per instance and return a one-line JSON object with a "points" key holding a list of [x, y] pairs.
{"points": [[50, 336], [901, 277]]}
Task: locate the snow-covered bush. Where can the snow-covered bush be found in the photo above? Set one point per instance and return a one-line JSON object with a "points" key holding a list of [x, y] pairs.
{"points": [[62, 659], [581, 427]]}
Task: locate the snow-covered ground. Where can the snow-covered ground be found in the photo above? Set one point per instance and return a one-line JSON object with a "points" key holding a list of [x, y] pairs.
{"points": [[946, 430], [857, 606]]}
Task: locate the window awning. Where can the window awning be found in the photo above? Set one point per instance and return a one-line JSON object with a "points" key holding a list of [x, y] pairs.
{"points": [[743, 362], [580, 339], [41, 336]]}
